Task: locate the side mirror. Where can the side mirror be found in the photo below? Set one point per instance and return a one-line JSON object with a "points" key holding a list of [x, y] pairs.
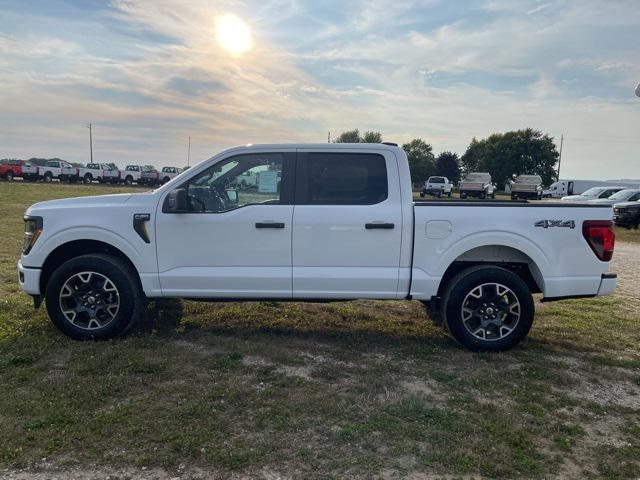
{"points": [[176, 201]]}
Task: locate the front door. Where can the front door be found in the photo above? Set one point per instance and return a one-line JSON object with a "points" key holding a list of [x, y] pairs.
{"points": [[235, 240], [347, 225]]}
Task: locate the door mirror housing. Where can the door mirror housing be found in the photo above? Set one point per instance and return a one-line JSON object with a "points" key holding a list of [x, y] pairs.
{"points": [[176, 201]]}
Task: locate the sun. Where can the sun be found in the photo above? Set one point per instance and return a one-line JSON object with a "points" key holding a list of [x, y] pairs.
{"points": [[233, 34]]}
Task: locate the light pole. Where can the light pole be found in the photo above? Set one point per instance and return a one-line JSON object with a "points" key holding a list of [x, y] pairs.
{"points": [[90, 141]]}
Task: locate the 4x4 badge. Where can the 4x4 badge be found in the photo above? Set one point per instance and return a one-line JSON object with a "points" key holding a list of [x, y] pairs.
{"points": [[555, 223]]}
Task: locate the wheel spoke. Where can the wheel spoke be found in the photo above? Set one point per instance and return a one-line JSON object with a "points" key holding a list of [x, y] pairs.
{"points": [[89, 300], [490, 311]]}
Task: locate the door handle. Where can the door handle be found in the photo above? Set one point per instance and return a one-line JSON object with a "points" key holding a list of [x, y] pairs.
{"points": [[380, 226], [269, 225]]}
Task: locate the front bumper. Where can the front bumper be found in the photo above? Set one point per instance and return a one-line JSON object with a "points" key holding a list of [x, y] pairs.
{"points": [[626, 219], [29, 279]]}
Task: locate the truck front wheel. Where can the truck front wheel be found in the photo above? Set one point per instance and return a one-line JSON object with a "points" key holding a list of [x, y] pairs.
{"points": [[87, 178], [488, 308], [93, 297]]}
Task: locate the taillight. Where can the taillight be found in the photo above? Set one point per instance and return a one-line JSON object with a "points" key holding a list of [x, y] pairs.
{"points": [[601, 238]]}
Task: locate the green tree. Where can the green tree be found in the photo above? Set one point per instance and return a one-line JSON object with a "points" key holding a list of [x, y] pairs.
{"points": [[371, 137], [353, 136], [448, 165], [516, 152], [350, 136], [421, 160]]}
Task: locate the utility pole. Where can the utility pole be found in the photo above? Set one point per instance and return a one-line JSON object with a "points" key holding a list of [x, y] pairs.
{"points": [[90, 141], [560, 158], [189, 152]]}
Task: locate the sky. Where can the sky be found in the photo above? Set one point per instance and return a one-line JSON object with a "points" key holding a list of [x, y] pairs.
{"points": [[150, 73]]}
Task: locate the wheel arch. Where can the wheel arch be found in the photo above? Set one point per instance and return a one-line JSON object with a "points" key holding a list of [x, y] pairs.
{"points": [[76, 248], [505, 256]]}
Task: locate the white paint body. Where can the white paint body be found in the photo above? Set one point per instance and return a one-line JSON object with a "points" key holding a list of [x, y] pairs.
{"points": [[324, 251]]}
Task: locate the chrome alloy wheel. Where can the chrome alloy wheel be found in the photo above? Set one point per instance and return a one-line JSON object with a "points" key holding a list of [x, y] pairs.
{"points": [[89, 300], [490, 311]]}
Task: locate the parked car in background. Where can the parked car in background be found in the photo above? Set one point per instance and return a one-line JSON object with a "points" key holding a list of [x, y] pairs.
{"points": [[131, 174], [325, 222], [168, 173], [477, 185], [149, 176], [29, 172], [563, 188], [593, 194], [526, 186], [11, 169], [626, 195], [52, 169], [627, 214], [100, 172], [437, 186]]}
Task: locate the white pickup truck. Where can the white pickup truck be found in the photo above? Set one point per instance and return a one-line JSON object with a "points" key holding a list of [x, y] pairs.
{"points": [[322, 222], [53, 169], [101, 172], [437, 186], [477, 184]]}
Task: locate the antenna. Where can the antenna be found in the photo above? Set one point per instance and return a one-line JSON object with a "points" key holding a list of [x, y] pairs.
{"points": [[189, 152]]}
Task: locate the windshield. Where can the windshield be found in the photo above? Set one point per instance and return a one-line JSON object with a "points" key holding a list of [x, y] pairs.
{"points": [[622, 194], [592, 192]]}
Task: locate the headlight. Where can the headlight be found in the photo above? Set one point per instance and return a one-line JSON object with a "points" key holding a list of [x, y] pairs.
{"points": [[32, 230]]}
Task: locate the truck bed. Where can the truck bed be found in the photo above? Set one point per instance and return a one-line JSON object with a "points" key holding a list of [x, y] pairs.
{"points": [[544, 236]]}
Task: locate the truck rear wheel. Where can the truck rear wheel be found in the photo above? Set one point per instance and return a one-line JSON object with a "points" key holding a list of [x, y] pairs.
{"points": [[87, 178], [93, 297], [128, 180], [488, 308], [9, 176], [48, 178]]}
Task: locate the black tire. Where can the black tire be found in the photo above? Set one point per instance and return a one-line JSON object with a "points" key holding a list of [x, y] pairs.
{"points": [[87, 179], [165, 180], [463, 195], [130, 295], [467, 281], [483, 195], [9, 176], [449, 194], [128, 180], [421, 194], [513, 197], [48, 178]]}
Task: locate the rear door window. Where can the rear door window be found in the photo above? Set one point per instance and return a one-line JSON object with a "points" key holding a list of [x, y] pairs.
{"points": [[342, 179]]}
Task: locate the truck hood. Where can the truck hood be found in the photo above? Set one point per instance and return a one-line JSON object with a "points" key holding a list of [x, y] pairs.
{"points": [[628, 204], [577, 198], [93, 201]]}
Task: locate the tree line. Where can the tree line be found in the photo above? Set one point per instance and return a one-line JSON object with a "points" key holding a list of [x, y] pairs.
{"points": [[526, 151]]}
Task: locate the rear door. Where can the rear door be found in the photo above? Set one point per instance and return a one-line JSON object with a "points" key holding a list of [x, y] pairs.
{"points": [[347, 224]]}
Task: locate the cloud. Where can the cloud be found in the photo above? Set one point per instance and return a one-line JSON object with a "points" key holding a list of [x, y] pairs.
{"points": [[446, 72]]}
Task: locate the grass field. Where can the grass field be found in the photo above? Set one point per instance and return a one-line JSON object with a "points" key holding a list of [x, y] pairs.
{"points": [[343, 390]]}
